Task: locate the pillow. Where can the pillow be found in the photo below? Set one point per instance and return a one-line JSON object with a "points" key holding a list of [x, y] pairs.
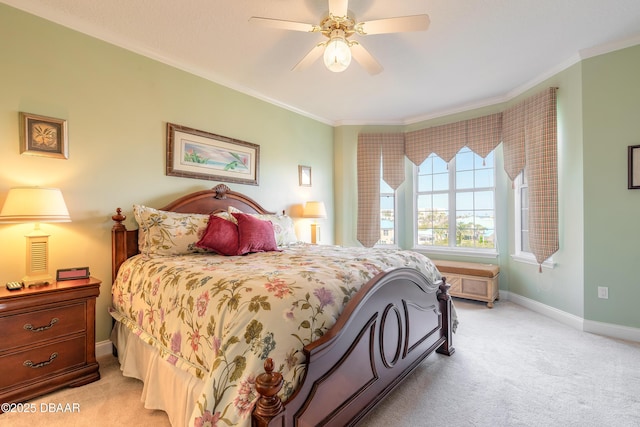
{"points": [[221, 236], [163, 233], [283, 227], [254, 235]]}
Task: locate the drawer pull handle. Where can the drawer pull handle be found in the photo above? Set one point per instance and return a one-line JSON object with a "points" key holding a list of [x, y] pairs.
{"points": [[30, 364], [29, 326]]}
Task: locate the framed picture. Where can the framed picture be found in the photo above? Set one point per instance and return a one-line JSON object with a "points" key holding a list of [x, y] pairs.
{"points": [[304, 176], [43, 136], [634, 167], [193, 153]]}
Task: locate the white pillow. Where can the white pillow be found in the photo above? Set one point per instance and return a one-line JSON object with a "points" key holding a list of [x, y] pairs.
{"points": [[283, 226]]}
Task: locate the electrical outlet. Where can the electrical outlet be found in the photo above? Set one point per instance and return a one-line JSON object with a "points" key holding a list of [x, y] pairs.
{"points": [[603, 292]]}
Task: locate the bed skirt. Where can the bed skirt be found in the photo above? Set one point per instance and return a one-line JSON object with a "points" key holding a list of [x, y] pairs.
{"points": [[163, 382]]}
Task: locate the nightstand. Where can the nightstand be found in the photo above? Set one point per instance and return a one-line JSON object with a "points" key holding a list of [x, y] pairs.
{"points": [[48, 338]]}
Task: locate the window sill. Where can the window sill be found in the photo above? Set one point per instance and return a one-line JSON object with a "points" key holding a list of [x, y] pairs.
{"points": [[529, 259], [386, 246], [487, 253]]}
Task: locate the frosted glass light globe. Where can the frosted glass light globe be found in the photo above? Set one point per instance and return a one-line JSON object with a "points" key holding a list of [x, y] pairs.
{"points": [[337, 55]]}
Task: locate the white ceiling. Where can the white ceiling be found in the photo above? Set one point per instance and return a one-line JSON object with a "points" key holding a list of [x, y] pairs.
{"points": [[475, 52]]}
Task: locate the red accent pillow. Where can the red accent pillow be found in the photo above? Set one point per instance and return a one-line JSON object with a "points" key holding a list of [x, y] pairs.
{"points": [[254, 235], [221, 236]]}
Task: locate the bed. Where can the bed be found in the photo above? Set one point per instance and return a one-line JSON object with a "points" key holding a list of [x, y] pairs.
{"points": [[330, 331]]}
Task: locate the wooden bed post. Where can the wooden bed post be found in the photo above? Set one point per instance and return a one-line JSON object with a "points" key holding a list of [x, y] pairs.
{"points": [[446, 309], [119, 243], [268, 405]]}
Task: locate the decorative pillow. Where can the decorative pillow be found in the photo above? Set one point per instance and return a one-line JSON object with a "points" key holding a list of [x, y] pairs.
{"points": [[163, 233], [254, 235], [283, 227], [220, 237]]}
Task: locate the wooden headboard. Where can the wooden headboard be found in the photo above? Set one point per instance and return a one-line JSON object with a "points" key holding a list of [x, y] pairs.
{"points": [[124, 243]]}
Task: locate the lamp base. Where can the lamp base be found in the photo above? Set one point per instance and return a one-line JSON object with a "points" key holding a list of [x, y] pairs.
{"points": [[38, 280], [315, 234], [37, 273]]}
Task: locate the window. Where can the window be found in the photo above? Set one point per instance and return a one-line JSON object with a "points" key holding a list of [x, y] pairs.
{"points": [[387, 214], [522, 215], [455, 203]]}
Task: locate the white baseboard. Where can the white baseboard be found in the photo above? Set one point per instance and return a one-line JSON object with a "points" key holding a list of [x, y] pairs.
{"points": [[610, 330], [104, 348], [600, 328]]}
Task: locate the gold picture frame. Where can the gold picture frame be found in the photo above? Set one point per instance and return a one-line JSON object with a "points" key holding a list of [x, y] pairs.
{"points": [[304, 176], [193, 153], [43, 136]]}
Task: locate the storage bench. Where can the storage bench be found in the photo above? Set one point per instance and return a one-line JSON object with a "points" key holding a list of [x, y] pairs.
{"points": [[471, 280]]}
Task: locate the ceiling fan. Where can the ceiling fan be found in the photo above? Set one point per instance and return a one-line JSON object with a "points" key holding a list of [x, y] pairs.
{"points": [[338, 26]]}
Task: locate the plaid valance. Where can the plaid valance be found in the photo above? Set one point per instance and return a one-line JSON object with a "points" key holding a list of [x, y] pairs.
{"points": [[481, 135], [529, 133], [513, 140]]}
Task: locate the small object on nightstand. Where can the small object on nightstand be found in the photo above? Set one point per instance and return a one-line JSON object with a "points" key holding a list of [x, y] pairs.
{"points": [[14, 286], [72, 273]]}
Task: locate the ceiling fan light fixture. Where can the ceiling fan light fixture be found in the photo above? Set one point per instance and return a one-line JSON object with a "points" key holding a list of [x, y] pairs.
{"points": [[337, 54]]}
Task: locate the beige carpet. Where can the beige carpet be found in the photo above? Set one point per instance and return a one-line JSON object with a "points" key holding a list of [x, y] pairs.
{"points": [[512, 367]]}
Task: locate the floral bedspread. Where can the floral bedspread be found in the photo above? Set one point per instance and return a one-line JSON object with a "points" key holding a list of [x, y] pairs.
{"points": [[221, 317]]}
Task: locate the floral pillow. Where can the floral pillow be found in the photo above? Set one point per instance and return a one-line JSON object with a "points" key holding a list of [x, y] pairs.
{"points": [[163, 233], [283, 227]]}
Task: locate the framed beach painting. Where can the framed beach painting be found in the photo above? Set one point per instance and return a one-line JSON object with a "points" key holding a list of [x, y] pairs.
{"points": [[193, 153]]}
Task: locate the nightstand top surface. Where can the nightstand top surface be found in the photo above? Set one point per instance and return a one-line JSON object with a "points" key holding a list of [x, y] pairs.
{"points": [[52, 287]]}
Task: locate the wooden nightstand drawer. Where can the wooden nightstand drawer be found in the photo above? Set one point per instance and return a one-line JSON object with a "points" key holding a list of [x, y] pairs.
{"points": [[47, 338], [39, 362], [42, 325]]}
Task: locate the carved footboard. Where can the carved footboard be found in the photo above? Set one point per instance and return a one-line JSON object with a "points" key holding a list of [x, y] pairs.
{"points": [[382, 336]]}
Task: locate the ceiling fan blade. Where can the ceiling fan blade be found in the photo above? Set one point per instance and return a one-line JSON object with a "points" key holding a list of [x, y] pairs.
{"points": [[310, 57], [365, 59], [284, 25], [400, 24], [338, 7]]}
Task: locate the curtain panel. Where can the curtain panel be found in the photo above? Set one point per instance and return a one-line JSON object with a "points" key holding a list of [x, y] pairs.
{"points": [[528, 131], [541, 158], [373, 148], [368, 229]]}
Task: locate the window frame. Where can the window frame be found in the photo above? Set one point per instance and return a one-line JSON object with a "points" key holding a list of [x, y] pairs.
{"points": [[395, 216], [452, 193]]}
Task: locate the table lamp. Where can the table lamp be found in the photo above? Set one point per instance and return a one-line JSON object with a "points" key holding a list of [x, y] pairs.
{"points": [[314, 210], [35, 204]]}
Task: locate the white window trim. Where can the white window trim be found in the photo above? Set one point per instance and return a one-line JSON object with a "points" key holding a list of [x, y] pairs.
{"points": [[395, 224], [477, 253], [452, 250]]}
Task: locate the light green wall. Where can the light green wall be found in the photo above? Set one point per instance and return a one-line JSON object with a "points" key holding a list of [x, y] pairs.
{"points": [[598, 111], [562, 286], [611, 114], [117, 105]]}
